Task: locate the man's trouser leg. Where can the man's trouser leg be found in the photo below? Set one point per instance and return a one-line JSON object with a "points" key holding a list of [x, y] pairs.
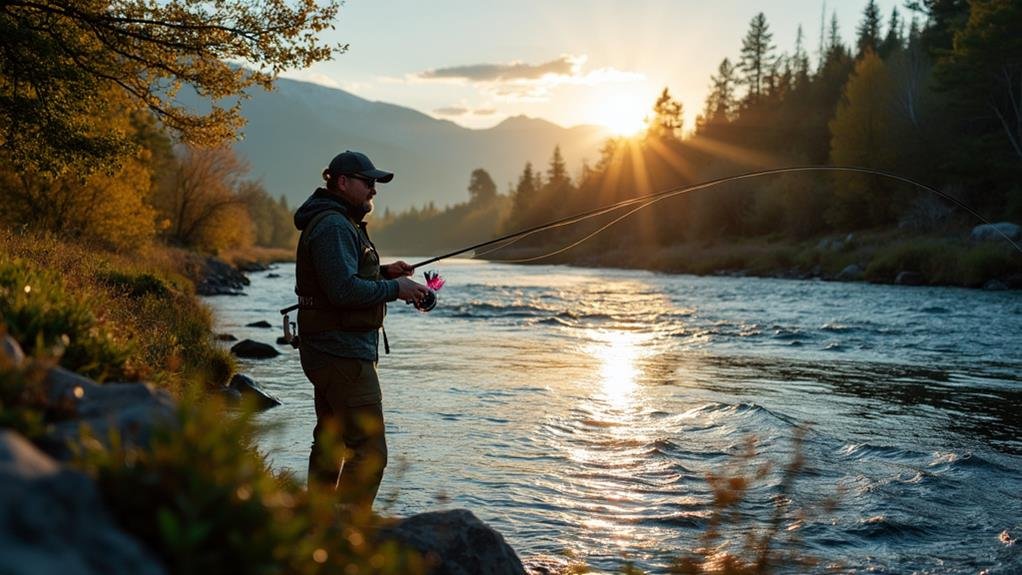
{"points": [[349, 428]]}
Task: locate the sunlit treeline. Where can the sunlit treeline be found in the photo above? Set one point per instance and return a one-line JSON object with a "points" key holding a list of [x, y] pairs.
{"points": [[198, 198], [89, 105], [932, 95]]}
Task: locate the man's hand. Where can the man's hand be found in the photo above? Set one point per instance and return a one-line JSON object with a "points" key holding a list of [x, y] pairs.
{"points": [[409, 290], [396, 270]]}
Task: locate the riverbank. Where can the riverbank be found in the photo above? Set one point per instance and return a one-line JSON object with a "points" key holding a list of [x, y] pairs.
{"points": [[114, 420], [885, 257]]}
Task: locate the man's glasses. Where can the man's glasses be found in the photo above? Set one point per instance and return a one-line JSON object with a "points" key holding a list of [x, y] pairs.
{"points": [[369, 182]]}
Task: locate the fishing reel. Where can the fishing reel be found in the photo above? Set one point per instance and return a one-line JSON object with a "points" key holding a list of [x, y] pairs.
{"points": [[434, 282], [427, 303]]}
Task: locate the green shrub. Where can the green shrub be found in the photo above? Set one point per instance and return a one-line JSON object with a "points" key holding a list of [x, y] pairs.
{"points": [[38, 308], [204, 500], [945, 262], [980, 263]]}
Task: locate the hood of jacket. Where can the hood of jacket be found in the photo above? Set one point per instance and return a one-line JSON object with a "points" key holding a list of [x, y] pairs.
{"points": [[319, 201]]}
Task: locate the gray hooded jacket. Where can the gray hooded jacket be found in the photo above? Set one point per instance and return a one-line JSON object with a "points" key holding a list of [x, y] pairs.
{"points": [[335, 248]]}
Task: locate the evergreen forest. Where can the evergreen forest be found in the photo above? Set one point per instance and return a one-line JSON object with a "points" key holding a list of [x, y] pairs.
{"points": [[932, 93]]}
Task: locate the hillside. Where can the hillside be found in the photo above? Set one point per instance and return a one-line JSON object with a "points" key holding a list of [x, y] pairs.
{"points": [[293, 132]]}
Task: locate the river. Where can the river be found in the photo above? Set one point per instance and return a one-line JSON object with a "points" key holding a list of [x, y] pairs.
{"points": [[579, 412]]}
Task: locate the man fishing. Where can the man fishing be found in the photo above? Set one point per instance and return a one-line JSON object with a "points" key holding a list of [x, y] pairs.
{"points": [[342, 298]]}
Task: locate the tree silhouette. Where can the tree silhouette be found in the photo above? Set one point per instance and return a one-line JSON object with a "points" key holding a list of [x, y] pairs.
{"points": [[481, 188], [757, 55], [667, 118]]}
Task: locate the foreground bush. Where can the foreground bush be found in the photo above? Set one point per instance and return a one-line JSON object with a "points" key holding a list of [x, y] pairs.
{"points": [[202, 498]]}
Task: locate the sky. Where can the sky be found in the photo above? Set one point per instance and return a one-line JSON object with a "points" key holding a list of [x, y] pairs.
{"points": [[567, 61]]}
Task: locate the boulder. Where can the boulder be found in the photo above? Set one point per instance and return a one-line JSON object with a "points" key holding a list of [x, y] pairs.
{"points": [[851, 273], [132, 410], [254, 349], [225, 337], [261, 323], [456, 542], [12, 353], [251, 266], [271, 276], [217, 277], [52, 520], [244, 388], [909, 279], [995, 232]]}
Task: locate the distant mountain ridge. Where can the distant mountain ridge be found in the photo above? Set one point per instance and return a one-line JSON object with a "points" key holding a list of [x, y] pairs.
{"points": [[293, 132]]}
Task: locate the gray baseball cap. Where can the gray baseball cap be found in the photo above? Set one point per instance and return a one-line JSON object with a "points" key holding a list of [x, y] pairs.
{"points": [[357, 163]]}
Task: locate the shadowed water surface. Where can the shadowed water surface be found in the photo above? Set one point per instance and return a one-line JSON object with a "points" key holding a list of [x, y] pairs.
{"points": [[579, 410]]}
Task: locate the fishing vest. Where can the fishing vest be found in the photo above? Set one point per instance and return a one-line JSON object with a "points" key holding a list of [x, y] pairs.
{"points": [[315, 312]]}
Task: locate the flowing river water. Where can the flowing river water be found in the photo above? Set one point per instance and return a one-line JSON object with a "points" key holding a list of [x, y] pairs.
{"points": [[579, 412]]}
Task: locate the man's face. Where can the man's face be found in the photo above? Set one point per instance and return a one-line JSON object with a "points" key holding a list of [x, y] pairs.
{"points": [[358, 191]]}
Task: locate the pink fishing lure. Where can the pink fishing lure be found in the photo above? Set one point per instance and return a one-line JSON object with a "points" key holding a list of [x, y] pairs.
{"points": [[434, 281]]}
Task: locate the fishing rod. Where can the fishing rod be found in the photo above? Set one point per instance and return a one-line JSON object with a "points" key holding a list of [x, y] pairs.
{"points": [[649, 199]]}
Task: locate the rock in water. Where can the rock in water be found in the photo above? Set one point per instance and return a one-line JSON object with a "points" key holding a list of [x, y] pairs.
{"points": [[54, 521], [254, 349], [246, 387], [260, 323], [456, 542]]}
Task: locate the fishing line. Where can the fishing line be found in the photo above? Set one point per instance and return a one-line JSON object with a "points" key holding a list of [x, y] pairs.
{"points": [[649, 199]]}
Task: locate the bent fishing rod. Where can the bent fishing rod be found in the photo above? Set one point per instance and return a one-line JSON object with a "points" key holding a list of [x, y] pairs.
{"points": [[646, 200]]}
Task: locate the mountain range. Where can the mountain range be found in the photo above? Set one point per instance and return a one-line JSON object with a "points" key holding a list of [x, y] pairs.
{"points": [[293, 131]]}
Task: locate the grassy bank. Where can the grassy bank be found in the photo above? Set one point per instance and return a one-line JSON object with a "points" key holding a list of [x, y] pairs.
{"points": [[879, 256], [109, 316]]}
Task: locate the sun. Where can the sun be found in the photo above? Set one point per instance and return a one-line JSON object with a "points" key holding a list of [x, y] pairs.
{"points": [[623, 114]]}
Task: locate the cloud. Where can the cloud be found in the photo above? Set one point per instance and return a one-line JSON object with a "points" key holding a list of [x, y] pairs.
{"points": [[484, 111], [451, 111], [523, 82], [563, 66]]}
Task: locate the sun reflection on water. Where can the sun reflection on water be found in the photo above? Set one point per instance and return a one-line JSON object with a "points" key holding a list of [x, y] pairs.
{"points": [[618, 353]]}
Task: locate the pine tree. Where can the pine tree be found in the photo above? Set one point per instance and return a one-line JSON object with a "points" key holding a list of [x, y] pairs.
{"points": [[869, 30], [523, 202], [893, 41], [861, 131], [557, 172], [667, 118], [800, 59], [721, 102], [757, 56]]}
